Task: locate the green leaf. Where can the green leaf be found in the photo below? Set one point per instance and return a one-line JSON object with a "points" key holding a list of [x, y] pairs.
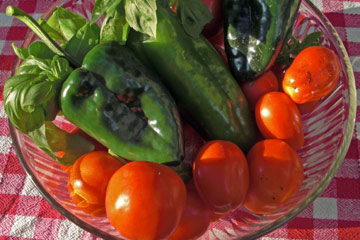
{"points": [[22, 53], [28, 67], [101, 6], [194, 15], [66, 22], [52, 32], [64, 147], [141, 16], [294, 46], [35, 119], [40, 50], [115, 26], [85, 39], [59, 68], [30, 99]]}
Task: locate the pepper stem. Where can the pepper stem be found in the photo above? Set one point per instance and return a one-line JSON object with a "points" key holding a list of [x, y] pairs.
{"points": [[36, 28]]}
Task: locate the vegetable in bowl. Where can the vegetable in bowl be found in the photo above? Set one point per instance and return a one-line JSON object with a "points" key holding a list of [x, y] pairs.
{"points": [[228, 216]]}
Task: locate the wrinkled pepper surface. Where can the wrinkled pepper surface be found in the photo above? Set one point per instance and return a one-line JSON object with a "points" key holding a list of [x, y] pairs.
{"points": [[255, 31], [198, 79], [120, 103]]}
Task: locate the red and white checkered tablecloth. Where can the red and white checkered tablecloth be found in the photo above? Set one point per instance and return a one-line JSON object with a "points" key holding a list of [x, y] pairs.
{"points": [[25, 214]]}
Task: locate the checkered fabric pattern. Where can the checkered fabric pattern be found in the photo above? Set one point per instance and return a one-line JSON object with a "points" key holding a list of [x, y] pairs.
{"points": [[25, 214]]}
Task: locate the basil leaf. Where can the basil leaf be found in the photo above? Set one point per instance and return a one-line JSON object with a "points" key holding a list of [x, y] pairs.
{"points": [[66, 148], [115, 27], [313, 39], [14, 89], [66, 22], [40, 50], [83, 41], [22, 53], [101, 6], [28, 67], [59, 68], [141, 16], [49, 30], [30, 99], [194, 15]]}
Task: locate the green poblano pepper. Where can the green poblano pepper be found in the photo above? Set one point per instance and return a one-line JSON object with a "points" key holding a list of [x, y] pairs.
{"points": [[119, 102], [198, 79], [255, 31]]}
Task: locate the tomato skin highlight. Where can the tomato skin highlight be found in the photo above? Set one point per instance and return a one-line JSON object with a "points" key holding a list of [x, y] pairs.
{"points": [[254, 90], [195, 219], [145, 200], [276, 174], [88, 178], [218, 165], [313, 74], [277, 116]]}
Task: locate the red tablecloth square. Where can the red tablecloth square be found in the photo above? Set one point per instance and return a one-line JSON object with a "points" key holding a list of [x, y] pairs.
{"points": [[7, 62], [301, 228], [17, 33]]}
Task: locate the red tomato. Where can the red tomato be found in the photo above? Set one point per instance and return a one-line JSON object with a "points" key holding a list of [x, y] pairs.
{"points": [[276, 174], [145, 200], [214, 26], [67, 169], [254, 90], [88, 179], [216, 216], [312, 75], [277, 116], [221, 175], [195, 219]]}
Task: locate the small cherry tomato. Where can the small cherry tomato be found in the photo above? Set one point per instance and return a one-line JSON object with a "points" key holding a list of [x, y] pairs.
{"points": [[221, 175], [88, 179], [195, 219], [145, 200], [254, 90], [276, 174], [277, 116], [312, 75], [214, 26]]}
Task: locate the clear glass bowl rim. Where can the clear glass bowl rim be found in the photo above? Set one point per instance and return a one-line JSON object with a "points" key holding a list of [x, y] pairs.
{"points": [[279, 222]]}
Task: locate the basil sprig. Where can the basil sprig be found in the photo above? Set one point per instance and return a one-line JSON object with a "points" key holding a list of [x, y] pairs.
{"points": [[140, 15], [31, 96]]}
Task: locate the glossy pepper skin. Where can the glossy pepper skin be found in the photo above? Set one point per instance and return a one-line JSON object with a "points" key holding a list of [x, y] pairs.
{"points": [[120, 103], [255, 31], [198, 79]]}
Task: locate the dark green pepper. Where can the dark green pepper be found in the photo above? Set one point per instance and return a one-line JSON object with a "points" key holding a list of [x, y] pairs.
{"points": [[198, 80], [255, 32], [119, 102]]}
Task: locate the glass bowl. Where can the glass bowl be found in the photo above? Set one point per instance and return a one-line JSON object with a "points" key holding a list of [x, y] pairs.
{"points": [[328, 131]]}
